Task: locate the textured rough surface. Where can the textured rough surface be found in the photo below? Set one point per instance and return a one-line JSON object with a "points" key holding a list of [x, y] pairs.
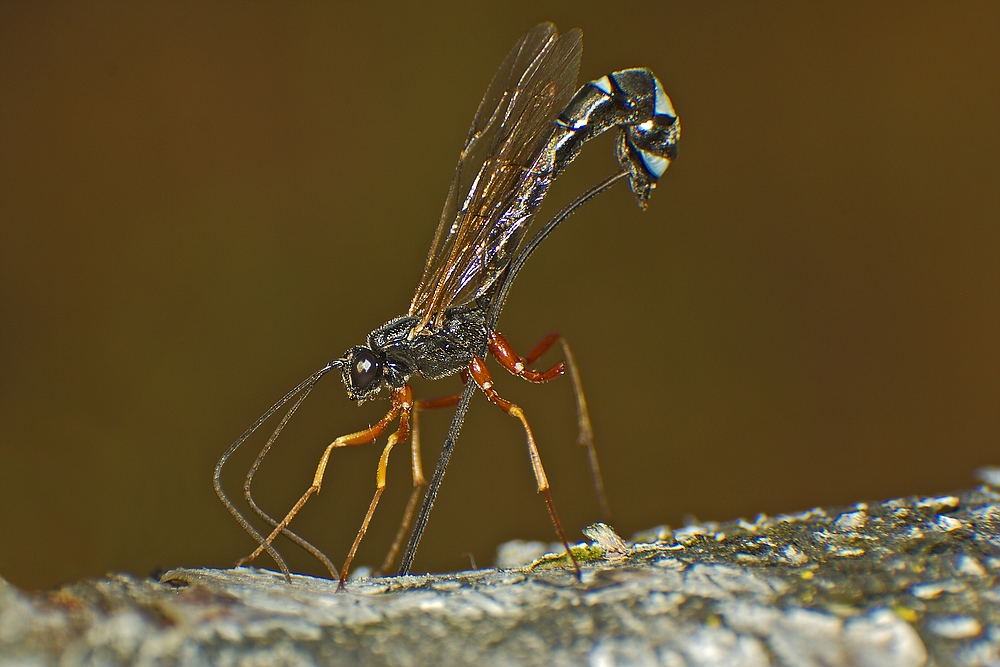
{"points": [[903, 583]]}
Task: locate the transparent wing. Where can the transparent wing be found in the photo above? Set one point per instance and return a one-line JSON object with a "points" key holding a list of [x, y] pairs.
{"points": [[502, 174]]}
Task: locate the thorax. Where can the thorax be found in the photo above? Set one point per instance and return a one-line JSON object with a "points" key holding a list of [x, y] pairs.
{"points": [[433, 352]]}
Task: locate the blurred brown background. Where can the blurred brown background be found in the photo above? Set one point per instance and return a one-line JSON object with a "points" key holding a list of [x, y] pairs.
{"points": [[202, 204]]}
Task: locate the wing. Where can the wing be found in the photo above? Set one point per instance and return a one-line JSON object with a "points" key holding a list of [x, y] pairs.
{"points": [[501, 175]]}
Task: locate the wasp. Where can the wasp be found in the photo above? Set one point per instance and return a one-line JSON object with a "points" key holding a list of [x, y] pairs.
{"points": [[530, 125]]}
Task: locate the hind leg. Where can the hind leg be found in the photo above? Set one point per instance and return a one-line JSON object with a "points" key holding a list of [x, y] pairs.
{"points": [[504, 352]]}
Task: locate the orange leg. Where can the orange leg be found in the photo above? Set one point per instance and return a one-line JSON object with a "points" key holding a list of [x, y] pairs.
{"points": [[586, 437], [504, 352], [403, 400], [418, 473], [350, 440], [542, 347], [481, 375], [509, 359]]}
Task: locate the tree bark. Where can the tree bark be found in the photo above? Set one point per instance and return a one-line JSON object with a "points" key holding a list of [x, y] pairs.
{"points": [[902, 583]]}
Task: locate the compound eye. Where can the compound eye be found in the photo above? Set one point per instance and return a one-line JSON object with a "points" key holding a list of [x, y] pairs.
{"points": [[365, 369]]}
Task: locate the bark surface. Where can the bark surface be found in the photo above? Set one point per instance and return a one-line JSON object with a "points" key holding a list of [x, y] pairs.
{"points": [[903, 583]]}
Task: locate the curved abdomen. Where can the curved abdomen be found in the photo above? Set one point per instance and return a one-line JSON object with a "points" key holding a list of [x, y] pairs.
{"points": [[632, 100]]}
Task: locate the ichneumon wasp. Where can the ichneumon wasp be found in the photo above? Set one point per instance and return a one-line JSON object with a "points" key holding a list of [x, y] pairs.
{"points": [[530, 125]]}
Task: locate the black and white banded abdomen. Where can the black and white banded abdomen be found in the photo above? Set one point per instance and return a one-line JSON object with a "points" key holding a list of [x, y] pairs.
{"points": [[632, 100]]}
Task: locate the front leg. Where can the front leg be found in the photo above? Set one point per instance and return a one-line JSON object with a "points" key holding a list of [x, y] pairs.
{"points": [[350, 440], [403, 400]]}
